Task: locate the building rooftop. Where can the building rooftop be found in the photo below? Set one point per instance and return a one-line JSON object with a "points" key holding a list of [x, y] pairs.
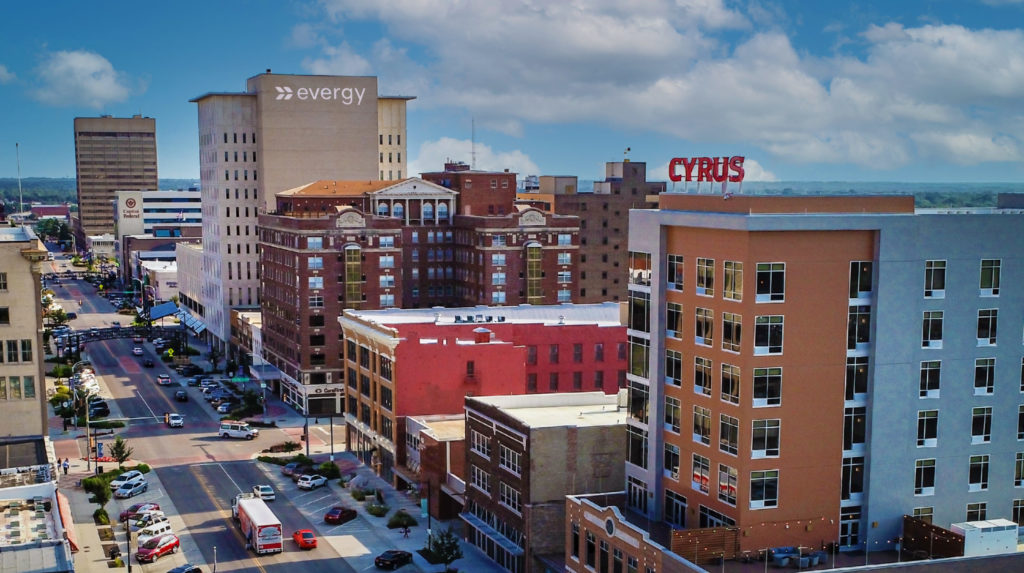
{"points": [[16, 234], [329, 188], [444, 427], [562, 409], [602, 314], [160, 266]]}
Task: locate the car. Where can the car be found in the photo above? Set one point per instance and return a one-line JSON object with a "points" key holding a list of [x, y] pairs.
{"points": [[186, 568], [146, 519], [116, 324], [137, 339], [131, 489], [99, 410], [158, 342], [191, 382], [224, 407], [264, 492], [137, 351], [137, 508], [133, 476], [189, 369], [302, 471], [289, 468], [72, 315], [148, 363], [175, 421], [339, 514], [392, 559], [305, 539], [152, 549], [163, 380], [311, 481], [181, 396]]}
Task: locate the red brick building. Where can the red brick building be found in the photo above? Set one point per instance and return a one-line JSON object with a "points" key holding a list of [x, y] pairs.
{"points": [[480, 192]]}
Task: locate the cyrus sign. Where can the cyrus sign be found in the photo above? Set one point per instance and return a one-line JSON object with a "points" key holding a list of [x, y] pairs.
{"points": [[347, 96], [717, 169]]}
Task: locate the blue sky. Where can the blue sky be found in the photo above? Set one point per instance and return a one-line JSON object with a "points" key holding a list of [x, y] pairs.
{"points": [[807, 90]]}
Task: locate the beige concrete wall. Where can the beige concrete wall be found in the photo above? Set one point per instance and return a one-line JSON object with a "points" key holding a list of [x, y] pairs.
{"points": [[392, 139], [576, 460], [20, 414]]}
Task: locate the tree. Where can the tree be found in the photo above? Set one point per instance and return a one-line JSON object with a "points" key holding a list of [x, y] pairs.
{"points": [[100, 490], [56, 317], [445, 547], [121, 451]]}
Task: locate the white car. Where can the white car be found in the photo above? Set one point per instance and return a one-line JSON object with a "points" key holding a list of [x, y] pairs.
{"points": [[133, 476], [264, 492], [130, 489], [137, 351], [175, 421], [224, 407], [312, 481]]}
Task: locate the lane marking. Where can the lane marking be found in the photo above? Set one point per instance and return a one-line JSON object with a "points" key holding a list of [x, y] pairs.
{"points": [[225, 514]]}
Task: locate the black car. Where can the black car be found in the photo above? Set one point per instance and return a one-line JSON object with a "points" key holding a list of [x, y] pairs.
{"points": [[148, 363], [181, 396], [186, 568], [189, 370], [99, 410], [392, 559]]}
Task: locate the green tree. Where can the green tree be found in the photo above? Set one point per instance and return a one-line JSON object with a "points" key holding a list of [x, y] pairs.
{"points": [[121, 451], [445, 547], [56, 317], [100, 490]]}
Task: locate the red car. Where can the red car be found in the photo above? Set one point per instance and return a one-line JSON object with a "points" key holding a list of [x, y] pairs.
{"points": [[305, 539], [137, 508], [339, 514], [157, 547]]}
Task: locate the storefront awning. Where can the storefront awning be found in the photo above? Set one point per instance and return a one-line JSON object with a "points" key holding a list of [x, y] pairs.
{"points": [[64, 507], [265, 372], [163, 310], [191, 322]]}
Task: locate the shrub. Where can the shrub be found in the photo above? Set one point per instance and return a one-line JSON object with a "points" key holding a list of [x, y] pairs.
{"points": [[377, 509], [144, 468], [401, 518], [272, 460], [329, 470], [101, 517], [103, 425], [358, 495]]}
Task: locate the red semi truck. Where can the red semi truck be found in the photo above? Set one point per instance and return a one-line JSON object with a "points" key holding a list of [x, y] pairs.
{"points": [[260, 527]]}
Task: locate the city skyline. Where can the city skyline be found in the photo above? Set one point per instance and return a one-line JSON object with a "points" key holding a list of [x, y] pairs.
{"points": [[920, 91]]}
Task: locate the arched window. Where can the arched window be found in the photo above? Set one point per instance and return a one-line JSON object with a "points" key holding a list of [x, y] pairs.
{"points": [[428, 211], [382, 209], [442, 210], [399, 210]]}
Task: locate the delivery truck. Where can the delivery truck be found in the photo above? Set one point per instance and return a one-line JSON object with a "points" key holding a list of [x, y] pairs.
{"points": [[260, 527]]}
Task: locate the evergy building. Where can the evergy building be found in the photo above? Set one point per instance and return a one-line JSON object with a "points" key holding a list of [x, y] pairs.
{"points": [[282, 132]]}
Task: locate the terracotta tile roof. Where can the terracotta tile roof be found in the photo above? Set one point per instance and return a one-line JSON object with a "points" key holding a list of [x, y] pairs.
{"points": [[328, 188]]}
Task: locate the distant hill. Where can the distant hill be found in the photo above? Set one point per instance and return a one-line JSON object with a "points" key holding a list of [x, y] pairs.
{"points": [[52, 190]]}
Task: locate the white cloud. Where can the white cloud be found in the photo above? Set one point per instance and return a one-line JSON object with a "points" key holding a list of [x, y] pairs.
{"points": [[79, 78], [5, 75], [339, 60], [756, 172], [432, 155]]}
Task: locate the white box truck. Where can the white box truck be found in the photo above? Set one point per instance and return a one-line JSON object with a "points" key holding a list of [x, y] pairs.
{"points": [[260, 527]]}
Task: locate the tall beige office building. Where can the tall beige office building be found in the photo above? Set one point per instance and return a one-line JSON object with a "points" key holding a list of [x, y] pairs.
{"points": [[111, 154], [283, 131]]}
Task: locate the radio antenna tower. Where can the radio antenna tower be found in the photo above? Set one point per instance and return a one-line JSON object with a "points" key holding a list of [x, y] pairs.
{"points": [[472, 138], [21, 200]]}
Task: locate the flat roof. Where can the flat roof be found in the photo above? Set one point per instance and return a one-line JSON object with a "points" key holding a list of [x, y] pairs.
{"points": [[576, 409], [16, 234], [332, 188], [447, 430], [214, 94], [602, 314]]}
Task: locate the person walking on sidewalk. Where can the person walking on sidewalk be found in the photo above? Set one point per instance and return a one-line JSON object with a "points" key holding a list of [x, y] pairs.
{"points": [[66, 466]]}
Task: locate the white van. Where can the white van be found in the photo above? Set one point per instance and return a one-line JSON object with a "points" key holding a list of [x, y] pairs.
{"points": [[151, 531], [148, 518], [238, 430]]}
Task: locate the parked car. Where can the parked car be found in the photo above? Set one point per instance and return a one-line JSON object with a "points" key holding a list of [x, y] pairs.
{"points": [[302, 471], [186, 568], [153, 549], [133, 476], [175, 421], [305, 539], [392, 559], [189, 370], [311, 481], [131, 489], [339, 514], [99, 409], [137, 508], [146, 519], [264, 492], [289, 468], [224, 407], [181, 396]]}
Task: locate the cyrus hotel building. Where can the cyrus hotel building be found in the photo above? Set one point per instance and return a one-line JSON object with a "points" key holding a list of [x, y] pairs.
{"points": [[281, 132]]}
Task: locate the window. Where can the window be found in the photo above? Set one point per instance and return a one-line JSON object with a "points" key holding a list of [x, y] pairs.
{"points": [[636, 446], [553, 381], [675, 509], [480, 443], [704, 326], [672, 461], [316, 282], [564, 295], [639, 351], [575, 540], [853, 478], [764, 489], [935, 279], [925, 514], [564, 276], [765, 439], [1020, 422], [387, 300], [701, 473], [984, 376], [990, 277], [930, 375], [510, 459], [706, 277], [5, 315], [638, 397], [981, 425], [987, 319], [498, 259], [927, 428], [387, 261], [978, 480], [924, 477], [553, 354], [702, 425], [977, 511], [480, 479], [674, 272], [767, 387], [730, 384], [729, 434], [856, 377], [387, 241], [387, 281], [771, 282], [316, 301], [673, 368], [1018, 471], [315, 263], [3, 281], [639, 313], [860, 279], [566, 239], [673, 414], [591, 550], [639, 268], [931, 330], [674, 321], [731, 326], [858, 327], [854, 426], [768, 335], [727, 478], [314, 243], [498, 297], [599, 352], [565, 258], [732, 285], [497, 278], [702, 376]]}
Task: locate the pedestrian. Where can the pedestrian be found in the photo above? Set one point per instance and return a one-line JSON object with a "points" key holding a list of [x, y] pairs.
{"points": [[405, 532], [66, 466]]}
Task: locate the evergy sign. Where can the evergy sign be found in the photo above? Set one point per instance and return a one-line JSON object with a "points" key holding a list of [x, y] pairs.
{"points": [[718, 169], [347, 96]]}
